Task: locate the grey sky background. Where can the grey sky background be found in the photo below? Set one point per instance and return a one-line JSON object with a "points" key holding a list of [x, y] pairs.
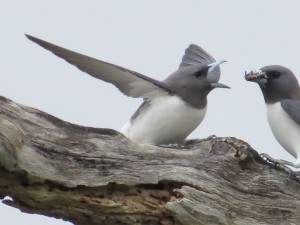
{"points": [[149, 37]]}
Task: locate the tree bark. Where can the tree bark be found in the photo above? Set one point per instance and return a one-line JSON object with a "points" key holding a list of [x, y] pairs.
{"points": [[92, 176]]}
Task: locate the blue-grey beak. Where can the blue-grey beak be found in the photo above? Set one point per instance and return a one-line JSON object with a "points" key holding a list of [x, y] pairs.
{"points": [[218, 85], [214, 65]]}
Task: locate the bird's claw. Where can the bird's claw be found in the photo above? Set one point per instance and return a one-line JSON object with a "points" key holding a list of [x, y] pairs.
{"points": [[192, 142], [282, 165], [176, 146], [211, 137]]}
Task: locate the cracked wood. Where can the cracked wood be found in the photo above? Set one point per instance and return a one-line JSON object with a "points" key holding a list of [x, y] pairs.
{"points": [[97, 176]]}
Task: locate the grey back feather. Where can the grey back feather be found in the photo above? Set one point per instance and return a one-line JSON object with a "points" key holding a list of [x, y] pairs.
{"points": [[292, 108]]}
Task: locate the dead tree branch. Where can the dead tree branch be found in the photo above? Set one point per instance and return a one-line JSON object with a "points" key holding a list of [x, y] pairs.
{"points": [[97, 176]]}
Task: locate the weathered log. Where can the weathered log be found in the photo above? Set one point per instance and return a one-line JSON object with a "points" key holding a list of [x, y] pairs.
{"points": [[97, 176]]}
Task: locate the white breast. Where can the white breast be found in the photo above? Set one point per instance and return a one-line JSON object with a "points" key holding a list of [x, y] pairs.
{"points": [[285, 130], [168, 120]]}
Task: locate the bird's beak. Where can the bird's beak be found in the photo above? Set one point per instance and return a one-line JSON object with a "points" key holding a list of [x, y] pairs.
{"points": [[218, 85], [258, 77], [213, 65]]}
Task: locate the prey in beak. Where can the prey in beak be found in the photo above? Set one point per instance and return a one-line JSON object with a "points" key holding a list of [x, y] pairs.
{"points": [[258, 77]]}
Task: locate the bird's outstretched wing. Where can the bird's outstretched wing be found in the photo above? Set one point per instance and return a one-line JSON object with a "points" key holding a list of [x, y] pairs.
{"points": [[130, 83], [195, 55], [292, 107]]}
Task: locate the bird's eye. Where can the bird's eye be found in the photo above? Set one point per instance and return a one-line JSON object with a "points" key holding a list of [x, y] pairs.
{"points": [[275, 74], [198, 73]]}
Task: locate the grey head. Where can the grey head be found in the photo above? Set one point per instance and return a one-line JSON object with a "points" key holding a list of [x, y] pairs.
{"points": [[276, 83], [197, 56], [197, 75], [191, 83]]}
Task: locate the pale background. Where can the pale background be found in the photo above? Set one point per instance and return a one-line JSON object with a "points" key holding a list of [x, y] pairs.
{"points": [[149, 37]]}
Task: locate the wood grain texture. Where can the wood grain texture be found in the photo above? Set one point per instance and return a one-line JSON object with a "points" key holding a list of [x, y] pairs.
{"points": [[97, 176]]}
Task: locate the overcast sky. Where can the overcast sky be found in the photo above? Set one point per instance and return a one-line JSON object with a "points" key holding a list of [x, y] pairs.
{"points": [[149, 37]]}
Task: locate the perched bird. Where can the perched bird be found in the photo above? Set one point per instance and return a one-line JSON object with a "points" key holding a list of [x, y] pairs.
{"points": [[281, 92], [172, 108]]}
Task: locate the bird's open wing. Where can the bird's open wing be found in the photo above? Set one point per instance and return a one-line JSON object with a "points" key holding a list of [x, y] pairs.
{"points": [[195, 55], [292, 107], [128, 82]]}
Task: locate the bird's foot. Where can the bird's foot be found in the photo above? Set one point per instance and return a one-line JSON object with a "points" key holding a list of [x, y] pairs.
{"points": [[187, 144], [193, 141], [268, 159], [275, 162], [176, 146], [282, 165], [287, 163], [190, 143], [295, 175], [209, 138]]}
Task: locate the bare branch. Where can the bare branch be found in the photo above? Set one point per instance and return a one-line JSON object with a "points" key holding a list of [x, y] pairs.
{"points": [[97, 176]]}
